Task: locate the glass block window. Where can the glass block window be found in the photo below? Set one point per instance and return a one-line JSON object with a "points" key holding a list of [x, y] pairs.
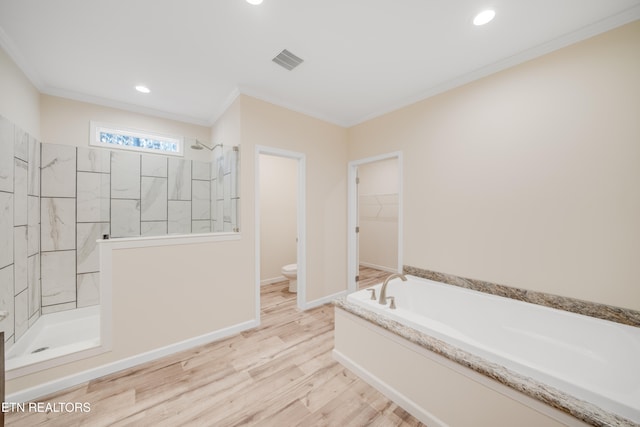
{"points": [[128, 139]]}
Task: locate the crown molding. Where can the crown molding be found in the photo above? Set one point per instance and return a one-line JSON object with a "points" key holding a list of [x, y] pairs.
{"points": [[231, 98], [16, 56], [584, 33], [629, 15], [96, 100], [276, 100]]}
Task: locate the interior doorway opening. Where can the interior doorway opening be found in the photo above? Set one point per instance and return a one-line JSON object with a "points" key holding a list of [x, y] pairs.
{"points": [[375, 217], [280, 219]]}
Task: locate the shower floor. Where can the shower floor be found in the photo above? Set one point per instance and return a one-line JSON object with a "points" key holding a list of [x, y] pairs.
{"points": [[55, 335]]}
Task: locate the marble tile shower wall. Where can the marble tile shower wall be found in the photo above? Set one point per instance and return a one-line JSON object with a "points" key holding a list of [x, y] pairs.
{"points": [[56, 201], [19, 231], [154, 195], [74, 213], [225, 198]]}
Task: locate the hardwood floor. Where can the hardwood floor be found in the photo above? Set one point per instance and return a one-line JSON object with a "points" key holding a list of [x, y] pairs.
{"points": [[280, 374]]}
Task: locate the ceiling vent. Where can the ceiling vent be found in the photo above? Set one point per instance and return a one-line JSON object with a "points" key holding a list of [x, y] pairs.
{"points": [[287, 60]]}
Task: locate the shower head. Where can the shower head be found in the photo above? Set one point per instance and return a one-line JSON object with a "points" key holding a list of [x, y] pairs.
{"points": [[199, 146]]}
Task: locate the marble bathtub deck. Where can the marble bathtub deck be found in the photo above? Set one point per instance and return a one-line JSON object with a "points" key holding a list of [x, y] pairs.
{"points": [[578, 408]]}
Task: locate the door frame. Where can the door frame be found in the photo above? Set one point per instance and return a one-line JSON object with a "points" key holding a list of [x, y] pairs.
{"points": [[352, 212], [301, 217]]}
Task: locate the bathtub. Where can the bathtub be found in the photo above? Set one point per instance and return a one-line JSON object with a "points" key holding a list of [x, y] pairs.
{"points": [[591, 360], [52, 337]]}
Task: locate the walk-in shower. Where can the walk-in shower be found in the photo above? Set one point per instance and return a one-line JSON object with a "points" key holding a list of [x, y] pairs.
{"points": [[57, 201]]}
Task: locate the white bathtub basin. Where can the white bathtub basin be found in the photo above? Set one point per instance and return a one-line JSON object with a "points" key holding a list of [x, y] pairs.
{"points": [[591, 359]]}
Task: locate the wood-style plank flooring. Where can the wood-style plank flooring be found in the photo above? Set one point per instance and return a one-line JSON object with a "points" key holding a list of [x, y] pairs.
{"points": [[279, 374]]}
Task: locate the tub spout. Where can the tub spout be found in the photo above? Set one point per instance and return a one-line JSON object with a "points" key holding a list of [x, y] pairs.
{"points": [[383, 290]]}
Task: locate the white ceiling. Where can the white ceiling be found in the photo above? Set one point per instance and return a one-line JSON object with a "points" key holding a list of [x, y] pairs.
{"points": [[362, 58]]}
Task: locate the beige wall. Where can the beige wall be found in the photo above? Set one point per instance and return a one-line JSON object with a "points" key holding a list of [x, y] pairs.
{"points": [[325, 147], [529, 177], [171, 293], [65, 121], [20, 100], [278, 214]]}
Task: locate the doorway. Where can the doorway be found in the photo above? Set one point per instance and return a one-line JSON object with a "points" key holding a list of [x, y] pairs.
{"points": [[282, 239], [375, 215]]}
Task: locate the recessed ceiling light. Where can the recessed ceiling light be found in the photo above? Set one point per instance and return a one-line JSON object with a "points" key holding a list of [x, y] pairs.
{"points": [[254, 1], [142, 89], [484, 17]]}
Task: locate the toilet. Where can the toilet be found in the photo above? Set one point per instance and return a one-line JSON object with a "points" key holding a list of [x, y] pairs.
{"points": [[290, 271]]}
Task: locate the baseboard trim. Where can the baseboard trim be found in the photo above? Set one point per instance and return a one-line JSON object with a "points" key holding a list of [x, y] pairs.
{"points": [[401, 400], [324, 300], [54, 386], [378, 267], [273, 280]]}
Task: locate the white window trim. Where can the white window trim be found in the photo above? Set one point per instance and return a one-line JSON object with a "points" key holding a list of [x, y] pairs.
{"points": [[97, 127]]}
